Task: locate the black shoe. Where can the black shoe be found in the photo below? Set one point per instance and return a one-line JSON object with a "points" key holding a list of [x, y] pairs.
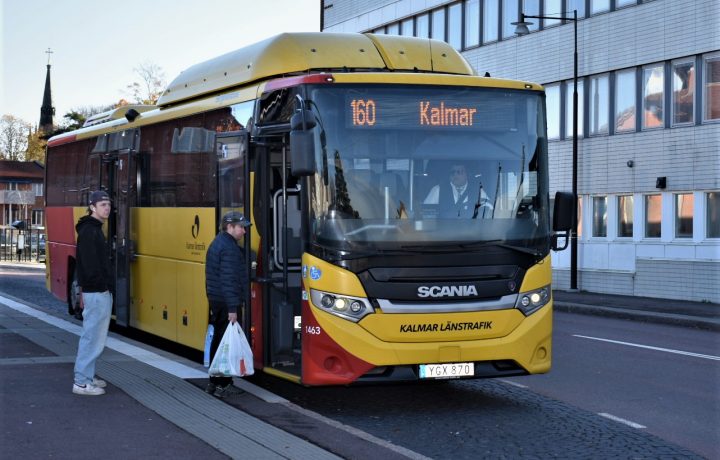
{"points": [[228, 390], [210, 388]]}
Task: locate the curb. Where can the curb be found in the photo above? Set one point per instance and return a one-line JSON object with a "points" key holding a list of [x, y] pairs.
{"points": [[710, 324]]}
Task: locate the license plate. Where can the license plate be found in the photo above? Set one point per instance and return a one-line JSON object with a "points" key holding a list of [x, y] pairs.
{"points": [[446, 371]]}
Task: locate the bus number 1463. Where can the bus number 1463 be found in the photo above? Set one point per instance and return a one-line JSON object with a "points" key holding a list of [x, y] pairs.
{"points": [[363, 112]]}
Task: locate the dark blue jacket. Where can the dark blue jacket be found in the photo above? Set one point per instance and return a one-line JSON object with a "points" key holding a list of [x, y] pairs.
{"points": [[225, 272], [93, 261]]}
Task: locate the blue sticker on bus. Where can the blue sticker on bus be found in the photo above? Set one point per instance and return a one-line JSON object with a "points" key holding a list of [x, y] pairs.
{"points": [[315, 273]]}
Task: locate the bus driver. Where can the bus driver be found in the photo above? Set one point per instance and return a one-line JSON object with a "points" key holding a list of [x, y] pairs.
{"points": [[460, 197]]}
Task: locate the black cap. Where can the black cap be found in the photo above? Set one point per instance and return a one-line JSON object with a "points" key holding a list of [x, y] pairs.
{"points": [[99, 195], [234, 217]]}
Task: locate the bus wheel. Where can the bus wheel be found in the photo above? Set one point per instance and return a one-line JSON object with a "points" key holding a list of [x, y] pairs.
{"points": [[74, 297]]}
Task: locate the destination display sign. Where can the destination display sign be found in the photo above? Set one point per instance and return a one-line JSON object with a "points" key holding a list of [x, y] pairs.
{"points": [[383, 110]]}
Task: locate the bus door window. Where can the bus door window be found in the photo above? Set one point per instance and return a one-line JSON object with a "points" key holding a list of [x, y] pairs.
{"points": [[286, 253], [231, 150]]}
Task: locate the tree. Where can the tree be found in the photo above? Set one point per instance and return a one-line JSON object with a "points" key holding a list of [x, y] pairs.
{"points": [[35, 147], [151, 84], [14, 134]]}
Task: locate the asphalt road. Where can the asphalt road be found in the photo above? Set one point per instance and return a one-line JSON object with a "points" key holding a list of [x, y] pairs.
{"points": [[663, 403], [665, 378]]}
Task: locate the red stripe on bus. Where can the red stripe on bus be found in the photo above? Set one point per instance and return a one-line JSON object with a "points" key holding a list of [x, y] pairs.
{"points": [[54, 142], [301, 80]]}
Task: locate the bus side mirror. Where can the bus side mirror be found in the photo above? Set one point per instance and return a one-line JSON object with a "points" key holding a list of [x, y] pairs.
{"points": [[302, 143], [563, 218]]}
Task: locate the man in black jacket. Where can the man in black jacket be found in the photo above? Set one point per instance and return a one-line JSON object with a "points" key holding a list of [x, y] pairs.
{"points": [[93, 269], [226, 281]]}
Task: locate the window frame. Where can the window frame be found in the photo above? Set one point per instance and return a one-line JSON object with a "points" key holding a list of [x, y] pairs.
{"points": [[706, 99], [673, 64], [621, 223], [592, 79], [558, 87], [708, 211], [663, 109], [676, 216], [646, 202], [596, 229]]}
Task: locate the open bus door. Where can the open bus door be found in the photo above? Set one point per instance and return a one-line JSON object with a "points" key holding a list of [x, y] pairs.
{"points": [[280, 232], [118, 176]]}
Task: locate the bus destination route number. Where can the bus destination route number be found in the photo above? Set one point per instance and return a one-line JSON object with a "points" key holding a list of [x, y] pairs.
{"points": [[403, 113], [363, 112]]}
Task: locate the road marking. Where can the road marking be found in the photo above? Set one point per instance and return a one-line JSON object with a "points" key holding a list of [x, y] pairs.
{"points": [[519, 385], [622, 420], [648, 347]]}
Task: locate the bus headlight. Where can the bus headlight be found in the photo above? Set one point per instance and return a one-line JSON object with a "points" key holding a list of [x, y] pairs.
{"points": [[351, 308], [529, 302]]}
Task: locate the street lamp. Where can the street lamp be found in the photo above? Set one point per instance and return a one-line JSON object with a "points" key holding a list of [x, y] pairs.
{"points": [[521, 28]]}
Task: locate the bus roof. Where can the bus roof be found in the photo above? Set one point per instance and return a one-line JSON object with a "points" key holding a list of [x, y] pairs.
{"points": [[295, 53]]}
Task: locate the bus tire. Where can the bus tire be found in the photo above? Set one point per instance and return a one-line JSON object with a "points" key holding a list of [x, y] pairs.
{"points": [[73, 298]]}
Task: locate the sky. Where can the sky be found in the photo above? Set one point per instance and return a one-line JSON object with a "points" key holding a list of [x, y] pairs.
{"points": [[96, 44]]}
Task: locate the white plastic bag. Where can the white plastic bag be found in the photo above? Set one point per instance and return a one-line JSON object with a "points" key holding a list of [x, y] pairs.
{"points": [[234, 356]]}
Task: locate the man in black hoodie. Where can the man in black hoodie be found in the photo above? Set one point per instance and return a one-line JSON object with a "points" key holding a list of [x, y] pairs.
{"points": [[93, 269]]}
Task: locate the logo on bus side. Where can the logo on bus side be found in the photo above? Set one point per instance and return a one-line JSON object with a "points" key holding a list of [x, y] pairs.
{"points": [[447, 291], [196, 227], [194, 247]]}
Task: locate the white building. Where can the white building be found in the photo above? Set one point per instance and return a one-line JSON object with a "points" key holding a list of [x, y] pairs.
{"points": [[649, 185]]}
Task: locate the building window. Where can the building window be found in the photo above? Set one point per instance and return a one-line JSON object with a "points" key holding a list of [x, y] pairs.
{"points": [[569, 108], [713, 215], [472, 23], [579, 216], [653, 215], [623, 3], [37, 188], [454, 32], [625, 101], [438, 24], [625, 216], [578, 5], [653, 96], [393, 29], [599, 228], [38, 218], [711, 87], [422, 26], [532, 8], [684, 215], [552, 8], [599, 104], [510, 14], [599, 6], [683, 92], [552, 101], [490, 20], [406, 27]]}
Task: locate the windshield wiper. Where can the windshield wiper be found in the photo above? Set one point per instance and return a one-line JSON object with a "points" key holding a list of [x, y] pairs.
{"points": [[478, 244]]}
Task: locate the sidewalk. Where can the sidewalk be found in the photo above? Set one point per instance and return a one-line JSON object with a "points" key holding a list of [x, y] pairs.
{"points": [[153, 407], [664, 311]]}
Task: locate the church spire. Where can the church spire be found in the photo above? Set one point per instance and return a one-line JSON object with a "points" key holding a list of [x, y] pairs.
{"points": [[47, 110]]}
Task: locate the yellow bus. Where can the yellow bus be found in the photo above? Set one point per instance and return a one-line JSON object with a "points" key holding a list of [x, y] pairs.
{"points": [[369, 260]]}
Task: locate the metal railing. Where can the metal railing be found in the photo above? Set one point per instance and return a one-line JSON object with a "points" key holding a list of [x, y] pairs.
{"points": [[22, 245]]}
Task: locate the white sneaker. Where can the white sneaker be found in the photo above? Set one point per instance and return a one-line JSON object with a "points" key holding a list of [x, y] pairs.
{"points": [[100, 383], [87, 390]]}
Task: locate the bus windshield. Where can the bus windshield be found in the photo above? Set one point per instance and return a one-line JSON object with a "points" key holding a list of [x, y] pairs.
{"points": [[418, 166]]}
